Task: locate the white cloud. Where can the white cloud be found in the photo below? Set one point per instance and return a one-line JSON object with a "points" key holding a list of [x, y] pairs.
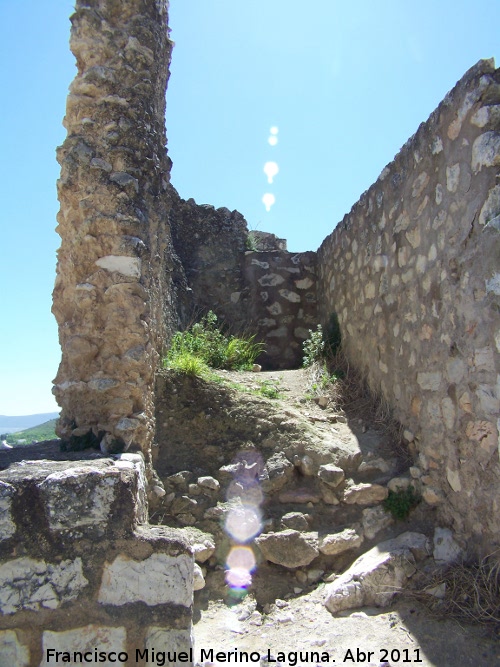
{"points": [[273, 140], [274, 130]]}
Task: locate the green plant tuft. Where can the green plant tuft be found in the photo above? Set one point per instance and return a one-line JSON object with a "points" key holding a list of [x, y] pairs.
{"points": [[314, 347], [204, 345], [400, 503]]}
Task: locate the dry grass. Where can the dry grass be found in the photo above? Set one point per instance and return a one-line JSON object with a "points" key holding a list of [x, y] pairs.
{"points": [[351, 394], [471, 592]]}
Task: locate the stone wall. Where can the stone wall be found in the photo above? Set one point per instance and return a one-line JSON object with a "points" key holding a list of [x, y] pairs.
{"points": [[266, 291], [413, 274], [281, 303], [113, 296], [81, 571]]}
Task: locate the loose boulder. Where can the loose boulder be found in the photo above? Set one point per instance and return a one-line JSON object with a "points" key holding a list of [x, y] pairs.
{"points": [[376, 576], [289, 548]]}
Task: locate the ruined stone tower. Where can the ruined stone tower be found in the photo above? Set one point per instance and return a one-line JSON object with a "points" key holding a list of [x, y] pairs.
{"points": [[111, 298]]}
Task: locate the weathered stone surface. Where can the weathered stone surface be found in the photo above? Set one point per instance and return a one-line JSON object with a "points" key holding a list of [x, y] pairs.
{"points": [[289, 548], [364, 494], [79, 497], [209, 483], [446, 550], [7, 526], [295, 521], [198, 578], [374, 520], [331, 475], [425, 336], [202, 544], [166, 639], [12, 652], [87, 638], [336, 543], [26, 583], [159, 579], [376, 576], [113, 297]]}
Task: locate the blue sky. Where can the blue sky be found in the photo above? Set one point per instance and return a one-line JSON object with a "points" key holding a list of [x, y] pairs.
{"points": [[346, 84]]}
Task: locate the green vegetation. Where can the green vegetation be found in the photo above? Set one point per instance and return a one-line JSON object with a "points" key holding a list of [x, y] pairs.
{"points": [[204, 346], [322, 345], [250, 243], [314, 347], [268, 389], [39, 433], [400, 503]]}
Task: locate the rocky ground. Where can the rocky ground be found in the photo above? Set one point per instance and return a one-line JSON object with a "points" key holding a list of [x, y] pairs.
{"points": [[329, 558], [280, 486]]}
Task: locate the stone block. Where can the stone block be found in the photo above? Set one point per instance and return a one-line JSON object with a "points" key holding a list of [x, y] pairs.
{"points": [[159, 579], [12, 652], [365, 494], [178, 644], [375, 577], [29, 584], [334, 544], [90, 638], [289, 548], [7, 526]]}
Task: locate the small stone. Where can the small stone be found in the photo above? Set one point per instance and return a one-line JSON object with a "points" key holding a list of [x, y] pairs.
{"points": [[446, 550], [256, 368], [199, 579], [365, 494], [299, 496], [289, 548], [314, 575], [328, 495], [208, 483], [159, 491], [398, 484], [336, 543], [295, 521], [331, 475], [374, 520]]}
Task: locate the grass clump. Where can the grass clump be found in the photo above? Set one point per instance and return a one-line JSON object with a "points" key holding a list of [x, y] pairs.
{"points": [[400, 503], [470, 592], [204, 346], [268, 389]]}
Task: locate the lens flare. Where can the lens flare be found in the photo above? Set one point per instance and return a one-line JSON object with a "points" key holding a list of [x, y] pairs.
{"points": [[271, 169], [243, 523], [274, 130], [268, 200], [240, 563], [272, 140]]}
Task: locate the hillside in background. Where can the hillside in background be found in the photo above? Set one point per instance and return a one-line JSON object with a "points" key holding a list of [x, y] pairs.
{"points": [[45, 431], [22, 422]]}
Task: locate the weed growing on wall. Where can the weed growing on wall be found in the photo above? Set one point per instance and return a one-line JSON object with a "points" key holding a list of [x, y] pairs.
{"points": [[314, 347], [204, 346], [400, 503]]}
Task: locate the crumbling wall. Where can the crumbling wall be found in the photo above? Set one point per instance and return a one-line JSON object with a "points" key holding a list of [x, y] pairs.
{"points": [[210, 244], [412, 273], [80, 570], [248, 279], [113, 296]]}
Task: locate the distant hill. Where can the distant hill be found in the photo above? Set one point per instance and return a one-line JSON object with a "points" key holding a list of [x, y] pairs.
{"points": [[20, 423], [45, 431]]}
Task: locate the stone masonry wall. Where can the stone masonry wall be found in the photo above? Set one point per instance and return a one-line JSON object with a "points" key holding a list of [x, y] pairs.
{"points": [[268, 292], [413, 275], [281, 303], [113, 296], [81, 571]]}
